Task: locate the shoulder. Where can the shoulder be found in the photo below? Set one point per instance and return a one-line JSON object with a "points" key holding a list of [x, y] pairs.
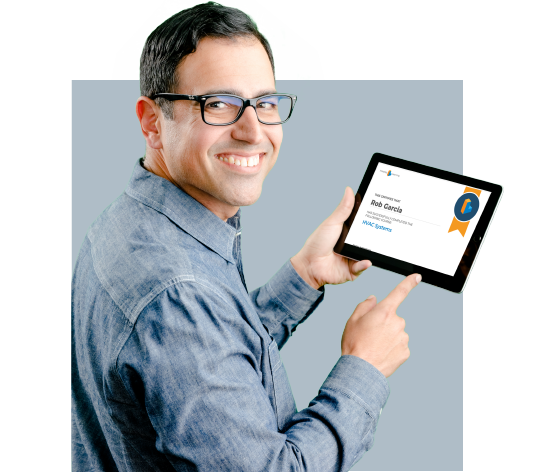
{"points": [[137, 252]]}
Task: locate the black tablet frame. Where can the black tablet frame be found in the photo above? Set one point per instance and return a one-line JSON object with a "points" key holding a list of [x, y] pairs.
{"points": [[455, 283]]}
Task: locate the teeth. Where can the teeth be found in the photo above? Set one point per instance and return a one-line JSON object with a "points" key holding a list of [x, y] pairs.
{"points": [[243, 162]]}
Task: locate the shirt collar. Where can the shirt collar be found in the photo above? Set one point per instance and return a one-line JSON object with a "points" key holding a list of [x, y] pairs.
{"points": [[183, 210]]}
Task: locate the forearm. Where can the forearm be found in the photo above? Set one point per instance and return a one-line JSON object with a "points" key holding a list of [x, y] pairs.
{"points": [[221, 401], [341, 421], [330, 435], [284, 302]]}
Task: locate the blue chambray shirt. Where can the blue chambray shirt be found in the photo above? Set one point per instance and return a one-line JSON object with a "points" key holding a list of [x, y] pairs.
{"points": [[176, 366]]}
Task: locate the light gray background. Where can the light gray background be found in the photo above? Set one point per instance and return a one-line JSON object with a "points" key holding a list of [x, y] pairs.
{"points": [[327, 145], [40, 128]]}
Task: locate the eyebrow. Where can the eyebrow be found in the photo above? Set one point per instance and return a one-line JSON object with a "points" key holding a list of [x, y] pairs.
{"points": [[236, 92]]}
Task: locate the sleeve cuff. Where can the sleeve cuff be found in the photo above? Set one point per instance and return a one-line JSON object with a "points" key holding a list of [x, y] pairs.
{"points": [[360, 381], [296, 296]]}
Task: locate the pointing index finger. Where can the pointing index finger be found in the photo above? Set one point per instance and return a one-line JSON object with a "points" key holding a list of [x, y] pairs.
{"points": [[396, 296]]}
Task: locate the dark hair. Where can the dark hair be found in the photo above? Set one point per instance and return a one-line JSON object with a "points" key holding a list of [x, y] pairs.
{"points": [[179, 36]]}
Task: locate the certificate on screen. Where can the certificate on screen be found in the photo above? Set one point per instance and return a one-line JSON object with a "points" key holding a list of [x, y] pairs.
{"points": [[408, 216]]}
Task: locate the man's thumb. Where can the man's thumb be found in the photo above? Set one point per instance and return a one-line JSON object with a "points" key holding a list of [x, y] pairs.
{"points": [[343, 210], [364, 307]]}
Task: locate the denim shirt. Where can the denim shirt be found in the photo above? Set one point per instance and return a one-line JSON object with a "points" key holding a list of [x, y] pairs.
{"points": [[176, 366]]}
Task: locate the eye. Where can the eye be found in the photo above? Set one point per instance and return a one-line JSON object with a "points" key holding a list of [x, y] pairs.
{"points": [[217, 105], [268, 104]]}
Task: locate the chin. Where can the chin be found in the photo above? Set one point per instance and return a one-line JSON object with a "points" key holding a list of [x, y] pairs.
{"points": [[244, 198]]}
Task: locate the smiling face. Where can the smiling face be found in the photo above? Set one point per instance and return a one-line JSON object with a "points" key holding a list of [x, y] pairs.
{"points": [[203, 159]]}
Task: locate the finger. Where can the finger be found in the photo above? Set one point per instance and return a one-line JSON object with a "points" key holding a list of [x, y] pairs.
{"points": [[396, 296], [343, 210], [356, 268], [364, 307], [401, 352]]}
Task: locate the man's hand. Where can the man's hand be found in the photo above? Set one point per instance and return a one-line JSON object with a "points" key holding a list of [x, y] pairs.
{"points": [[316, 262], [375, 333]]}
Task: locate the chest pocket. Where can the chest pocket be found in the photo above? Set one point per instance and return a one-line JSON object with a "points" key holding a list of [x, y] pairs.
{"points": [[284, 399]]}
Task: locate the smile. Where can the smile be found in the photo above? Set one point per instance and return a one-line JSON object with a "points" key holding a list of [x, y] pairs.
{"points": [[251, 161]]}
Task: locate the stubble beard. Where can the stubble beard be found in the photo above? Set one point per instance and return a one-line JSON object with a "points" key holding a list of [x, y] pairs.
{"points": [[225, 186]]}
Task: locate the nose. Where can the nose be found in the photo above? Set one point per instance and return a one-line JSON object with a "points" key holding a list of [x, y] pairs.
{"points": [[248, 128]]}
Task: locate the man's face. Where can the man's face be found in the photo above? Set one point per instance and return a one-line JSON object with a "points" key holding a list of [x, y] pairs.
{"points": [[192, 148]]}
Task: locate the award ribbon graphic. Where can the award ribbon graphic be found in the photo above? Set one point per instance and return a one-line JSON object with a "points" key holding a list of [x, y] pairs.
{"points": [[465, 209]]}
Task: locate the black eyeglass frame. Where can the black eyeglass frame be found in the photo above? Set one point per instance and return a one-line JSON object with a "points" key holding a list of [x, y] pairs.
{"points": [[247, 102]]}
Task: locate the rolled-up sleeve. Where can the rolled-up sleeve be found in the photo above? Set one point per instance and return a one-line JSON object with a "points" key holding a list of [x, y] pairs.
{"points": [[285, 302], [202, 388], [346, 411]]}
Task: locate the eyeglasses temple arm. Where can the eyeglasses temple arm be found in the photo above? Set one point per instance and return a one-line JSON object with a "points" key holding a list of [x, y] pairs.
{"points": [[175, 96]]}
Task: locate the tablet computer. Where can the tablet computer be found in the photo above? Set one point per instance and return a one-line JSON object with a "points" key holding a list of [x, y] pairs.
{"points": [[411, 218]]}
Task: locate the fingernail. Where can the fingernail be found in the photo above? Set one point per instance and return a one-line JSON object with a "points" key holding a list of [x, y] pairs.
{"points": [[370, 297], [418, 278]]}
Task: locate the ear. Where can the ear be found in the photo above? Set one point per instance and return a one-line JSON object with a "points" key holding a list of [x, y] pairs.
{"points": [[150, 117]]}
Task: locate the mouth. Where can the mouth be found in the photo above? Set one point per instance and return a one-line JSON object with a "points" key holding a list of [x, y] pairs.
{"points": [[237, 161]]}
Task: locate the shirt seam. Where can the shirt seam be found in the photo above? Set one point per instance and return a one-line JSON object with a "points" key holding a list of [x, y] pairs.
{"points": [[354, 397], [302, 298], [123, 337], [176, 282], [132, 313], [105, 285], [133, 193], [375, 372], [359, 401], [304, 286], [285, 308]]}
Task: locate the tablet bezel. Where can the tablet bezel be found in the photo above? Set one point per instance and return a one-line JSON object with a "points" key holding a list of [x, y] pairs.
{"points": [[455, 283]]}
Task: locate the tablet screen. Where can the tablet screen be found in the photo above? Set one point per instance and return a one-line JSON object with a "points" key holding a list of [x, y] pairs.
{"points": [[417, 218]]}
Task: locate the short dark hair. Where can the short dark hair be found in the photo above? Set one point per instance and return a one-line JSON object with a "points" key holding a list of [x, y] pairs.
{"points": [[179, 36]]}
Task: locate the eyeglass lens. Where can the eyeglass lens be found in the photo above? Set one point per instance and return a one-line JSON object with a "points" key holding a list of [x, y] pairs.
{"points": [[223, 109]]}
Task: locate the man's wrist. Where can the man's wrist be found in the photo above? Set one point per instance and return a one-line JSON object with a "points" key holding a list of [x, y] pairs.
{"points": [[301, 268]]}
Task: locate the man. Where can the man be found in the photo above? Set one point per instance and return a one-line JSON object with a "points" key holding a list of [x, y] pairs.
{"points": [[175, 365]]}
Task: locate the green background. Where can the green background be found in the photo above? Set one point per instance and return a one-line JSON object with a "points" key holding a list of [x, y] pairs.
{"points": [[355, 40]]}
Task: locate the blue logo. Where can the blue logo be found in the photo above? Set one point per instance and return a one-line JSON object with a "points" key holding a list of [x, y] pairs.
{"points": [[466, 207]]}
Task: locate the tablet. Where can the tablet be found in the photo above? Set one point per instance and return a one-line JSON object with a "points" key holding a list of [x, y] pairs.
{"points": [[412, 218]]}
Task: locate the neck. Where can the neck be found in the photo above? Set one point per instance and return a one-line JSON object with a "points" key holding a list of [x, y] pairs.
{"points": [[154, 162]]}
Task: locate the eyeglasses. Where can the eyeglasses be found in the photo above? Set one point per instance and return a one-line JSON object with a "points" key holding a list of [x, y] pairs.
{"points": [[225, 109]]}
